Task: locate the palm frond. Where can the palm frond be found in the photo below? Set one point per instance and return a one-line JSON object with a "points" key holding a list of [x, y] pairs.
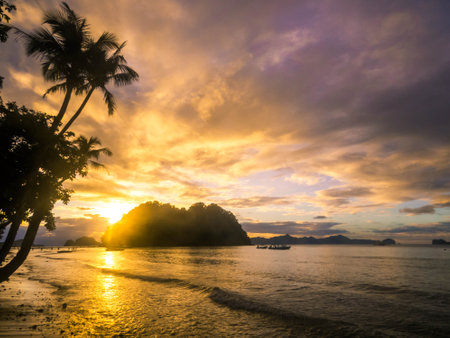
{"points": [[60, 87], [109, 99], [107, 41]]}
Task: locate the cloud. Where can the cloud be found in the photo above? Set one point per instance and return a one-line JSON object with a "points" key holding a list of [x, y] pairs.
{"points": [[432, 228], [294, 228], [426, 209], [256, 201], [70, 228], [346, 192], [320, 217]]}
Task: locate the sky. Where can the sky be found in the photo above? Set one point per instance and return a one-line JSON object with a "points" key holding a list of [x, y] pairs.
{"points": [[308, 118]]}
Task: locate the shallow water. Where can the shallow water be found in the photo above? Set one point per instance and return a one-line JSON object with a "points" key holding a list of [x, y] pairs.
{"points": [[234, 291]]}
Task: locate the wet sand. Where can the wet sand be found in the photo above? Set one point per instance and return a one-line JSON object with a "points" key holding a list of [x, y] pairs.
{"points": [[30, 308]]}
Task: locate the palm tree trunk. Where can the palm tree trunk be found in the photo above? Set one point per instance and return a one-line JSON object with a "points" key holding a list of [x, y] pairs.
{"points": [[78, 112], [17, 261], [63, 109], [9, 241]]}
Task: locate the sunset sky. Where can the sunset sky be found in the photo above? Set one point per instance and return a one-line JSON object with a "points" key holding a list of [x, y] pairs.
{"points": [[301, 117]]}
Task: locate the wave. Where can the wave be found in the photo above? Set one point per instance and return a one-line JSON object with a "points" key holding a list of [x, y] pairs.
{"points": [[53, 258], [154, 279], [311, 326], [394, 290]]}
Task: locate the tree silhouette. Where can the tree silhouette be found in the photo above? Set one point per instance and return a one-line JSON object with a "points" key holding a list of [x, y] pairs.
{"points": [[37, 168], [102, 69], [157, 224], [60, 48], [25, 137], [5, 9]]}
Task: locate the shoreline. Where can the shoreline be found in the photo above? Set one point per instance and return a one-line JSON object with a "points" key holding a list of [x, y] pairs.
{"points": [[29, 307]]}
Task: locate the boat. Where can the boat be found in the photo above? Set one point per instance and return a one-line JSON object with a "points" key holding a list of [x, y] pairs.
{"points": [[261, 247], [65, 251], [114, 248], [279, 247]]}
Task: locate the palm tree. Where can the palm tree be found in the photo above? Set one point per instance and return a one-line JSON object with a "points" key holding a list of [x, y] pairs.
{"points": [[88, 149], [101, 70], [61, 52]]}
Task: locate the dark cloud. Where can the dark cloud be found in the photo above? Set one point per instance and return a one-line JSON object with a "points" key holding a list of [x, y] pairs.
{"points": [[320, 217], [347, 192], [294, 228], [426, 209], [440, 227], [442, 205], [72, 228], [255, 201]]}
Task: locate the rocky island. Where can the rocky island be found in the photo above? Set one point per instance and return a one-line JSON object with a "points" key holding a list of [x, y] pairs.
{"points": [[157, 224], [440, 242]]}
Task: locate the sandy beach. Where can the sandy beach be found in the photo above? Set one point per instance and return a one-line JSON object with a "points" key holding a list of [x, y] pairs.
{"points": [[30, 308]]}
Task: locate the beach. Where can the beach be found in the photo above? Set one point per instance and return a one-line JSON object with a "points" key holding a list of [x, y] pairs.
{"points": [[29, 307]]}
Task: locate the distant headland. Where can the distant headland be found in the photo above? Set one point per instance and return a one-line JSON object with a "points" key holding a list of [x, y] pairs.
{"points": [[440, 242], [158, 224], [339, 239]]}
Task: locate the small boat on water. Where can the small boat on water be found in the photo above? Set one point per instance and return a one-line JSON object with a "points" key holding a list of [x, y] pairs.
{"points": [[65, 250], [261, 247], [114, 248], [279, 247]]}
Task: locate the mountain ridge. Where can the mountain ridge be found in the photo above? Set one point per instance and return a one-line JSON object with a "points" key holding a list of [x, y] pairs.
{"points": [[337, 239]]}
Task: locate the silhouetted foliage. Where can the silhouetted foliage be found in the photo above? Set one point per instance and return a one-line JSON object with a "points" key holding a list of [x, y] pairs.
{"points": [[59, 46], [74, 61], [69, 242], [5, 9], [35, 164], [82, 241], [77, 64], [157, 224]]}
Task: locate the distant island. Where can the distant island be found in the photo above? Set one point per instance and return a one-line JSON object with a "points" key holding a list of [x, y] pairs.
{"points": [[157, 224], [339, 239], [82, 241], [440, 242]]}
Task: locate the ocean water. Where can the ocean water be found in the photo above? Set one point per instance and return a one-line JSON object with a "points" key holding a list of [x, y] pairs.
{"points": [[309, 291]]}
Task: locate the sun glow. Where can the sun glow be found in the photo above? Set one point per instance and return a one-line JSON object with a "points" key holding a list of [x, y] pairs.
{"points": [[114, 211]]}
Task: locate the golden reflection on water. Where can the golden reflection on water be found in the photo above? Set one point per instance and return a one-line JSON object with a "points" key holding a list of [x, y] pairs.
{"points": [[109, 259], [107, 287]]}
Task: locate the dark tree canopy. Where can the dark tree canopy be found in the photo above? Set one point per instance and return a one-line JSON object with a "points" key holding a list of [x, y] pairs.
{"points": [[5, 9], [157, 224], [25, 137], [82, 241]]}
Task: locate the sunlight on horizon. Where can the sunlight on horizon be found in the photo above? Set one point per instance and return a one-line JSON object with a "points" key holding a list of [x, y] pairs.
{"points": [[114, 211]]}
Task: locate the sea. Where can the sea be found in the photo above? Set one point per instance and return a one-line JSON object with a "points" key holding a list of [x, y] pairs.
{"points": [[307, 291]]}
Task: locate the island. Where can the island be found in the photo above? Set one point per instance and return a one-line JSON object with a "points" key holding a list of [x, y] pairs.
{"points": [[338, 239], [440, 242], [82, 241], [158, 224]]}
